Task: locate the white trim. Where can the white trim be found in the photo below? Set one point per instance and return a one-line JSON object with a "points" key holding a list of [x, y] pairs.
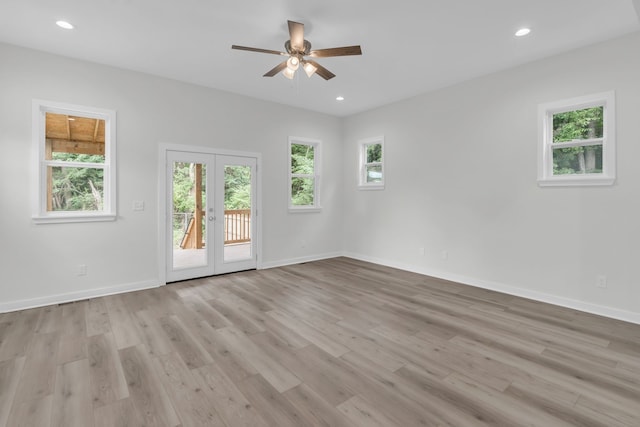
{"points": [[167, 146], [546, 178], [317, 175], [578, 143], [370, 187], [601, 310], [299, 260], [362, 180], [68, 217], [576, 180], [39, 198], [303, 209], [76, 296]]}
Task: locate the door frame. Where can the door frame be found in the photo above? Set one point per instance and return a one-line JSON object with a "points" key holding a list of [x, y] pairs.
{"points": [[163, 219]]}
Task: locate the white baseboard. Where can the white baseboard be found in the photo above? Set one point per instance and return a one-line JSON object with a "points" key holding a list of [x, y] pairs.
{"points": [[76, 296], [614, 313], [300, 260], [130, 287]]}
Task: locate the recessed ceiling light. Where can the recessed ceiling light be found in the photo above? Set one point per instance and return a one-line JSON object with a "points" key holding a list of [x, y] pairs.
{"points": [[64, 24], [522, 32], [340, 98]]}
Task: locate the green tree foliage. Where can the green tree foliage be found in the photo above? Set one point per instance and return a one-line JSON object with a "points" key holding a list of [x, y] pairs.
{"points": [[374, 153], [237, 193], [578, 125], [184, 201], [302, 163], [77, 188], [237, 187], [184, 182]]}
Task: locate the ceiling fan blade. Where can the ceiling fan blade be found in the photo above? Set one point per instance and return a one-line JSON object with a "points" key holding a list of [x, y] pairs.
{"points": [[336, 51], [296, 34], [275, 70], [255, 49], [321, 71]]}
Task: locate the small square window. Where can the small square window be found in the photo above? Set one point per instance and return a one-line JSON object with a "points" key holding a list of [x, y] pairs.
{"points": [[577, 146], [371, 168]]}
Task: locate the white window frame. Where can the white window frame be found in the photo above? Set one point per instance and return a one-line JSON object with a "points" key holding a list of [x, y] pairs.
{"points": [[362, 170], [545, 146], [317, 156], [40, 213]]}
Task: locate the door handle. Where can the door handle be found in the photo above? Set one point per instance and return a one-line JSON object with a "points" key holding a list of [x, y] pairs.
{"points": [[212, 218]]}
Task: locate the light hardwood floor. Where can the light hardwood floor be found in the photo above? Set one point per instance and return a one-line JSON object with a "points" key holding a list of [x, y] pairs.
{"points": [[329, 343]]}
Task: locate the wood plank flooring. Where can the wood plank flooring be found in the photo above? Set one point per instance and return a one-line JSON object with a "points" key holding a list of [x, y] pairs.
{"points": [[329, 343]]}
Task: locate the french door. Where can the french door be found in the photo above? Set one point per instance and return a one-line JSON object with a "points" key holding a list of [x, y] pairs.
{"points": [[210, 227]]}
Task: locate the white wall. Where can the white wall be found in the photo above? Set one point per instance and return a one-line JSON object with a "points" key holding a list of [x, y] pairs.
{"points": [[38, 263], [461, 177]]}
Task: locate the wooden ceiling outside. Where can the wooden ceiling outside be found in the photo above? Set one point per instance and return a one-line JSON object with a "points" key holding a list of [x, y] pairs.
{"points": [[74, 134]]}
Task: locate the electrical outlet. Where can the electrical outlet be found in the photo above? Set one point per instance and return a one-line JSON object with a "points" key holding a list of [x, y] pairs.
{"points": [[445, 254], [138, 205], [601, 281], [421, 251], [82, 270]]}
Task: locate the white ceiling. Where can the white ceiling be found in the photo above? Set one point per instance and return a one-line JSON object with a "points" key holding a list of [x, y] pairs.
{"points": [[409, 47]]}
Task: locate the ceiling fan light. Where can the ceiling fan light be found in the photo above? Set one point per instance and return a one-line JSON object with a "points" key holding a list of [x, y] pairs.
{"points": [[288, 73], [293, 63], [309, 68]]}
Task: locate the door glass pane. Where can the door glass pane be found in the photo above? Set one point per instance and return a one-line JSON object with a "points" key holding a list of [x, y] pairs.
{"points": [[237, 212], [188, 219]]}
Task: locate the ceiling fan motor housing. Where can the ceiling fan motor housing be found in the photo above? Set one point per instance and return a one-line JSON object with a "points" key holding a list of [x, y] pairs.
{"points": [[304, 52]]}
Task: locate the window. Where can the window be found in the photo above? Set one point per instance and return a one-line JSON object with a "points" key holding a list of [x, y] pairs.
{"points": [[577, 145], [75, 149], [372, 164], [304, 175]]}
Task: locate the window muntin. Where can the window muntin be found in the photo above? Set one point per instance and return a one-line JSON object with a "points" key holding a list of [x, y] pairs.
{"points": [[578, 141], [304, 174], [372, 163], [75, 148]]}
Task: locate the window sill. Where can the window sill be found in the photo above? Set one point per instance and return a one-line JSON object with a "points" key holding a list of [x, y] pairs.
{"points": [[304, 210], [576, 181], [70, 218], [367, 187]]}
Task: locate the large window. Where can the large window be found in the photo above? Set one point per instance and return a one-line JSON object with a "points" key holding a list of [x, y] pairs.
{"points": [[371, 163], [577, 146], [75, 149], [304, 174]]}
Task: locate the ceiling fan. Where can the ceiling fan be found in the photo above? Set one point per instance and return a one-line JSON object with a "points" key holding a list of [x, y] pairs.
{"points": [[297, 48]]}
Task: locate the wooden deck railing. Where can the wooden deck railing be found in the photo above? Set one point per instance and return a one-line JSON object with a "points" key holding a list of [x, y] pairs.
{"points": [[237, 225], [237, 228]]}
